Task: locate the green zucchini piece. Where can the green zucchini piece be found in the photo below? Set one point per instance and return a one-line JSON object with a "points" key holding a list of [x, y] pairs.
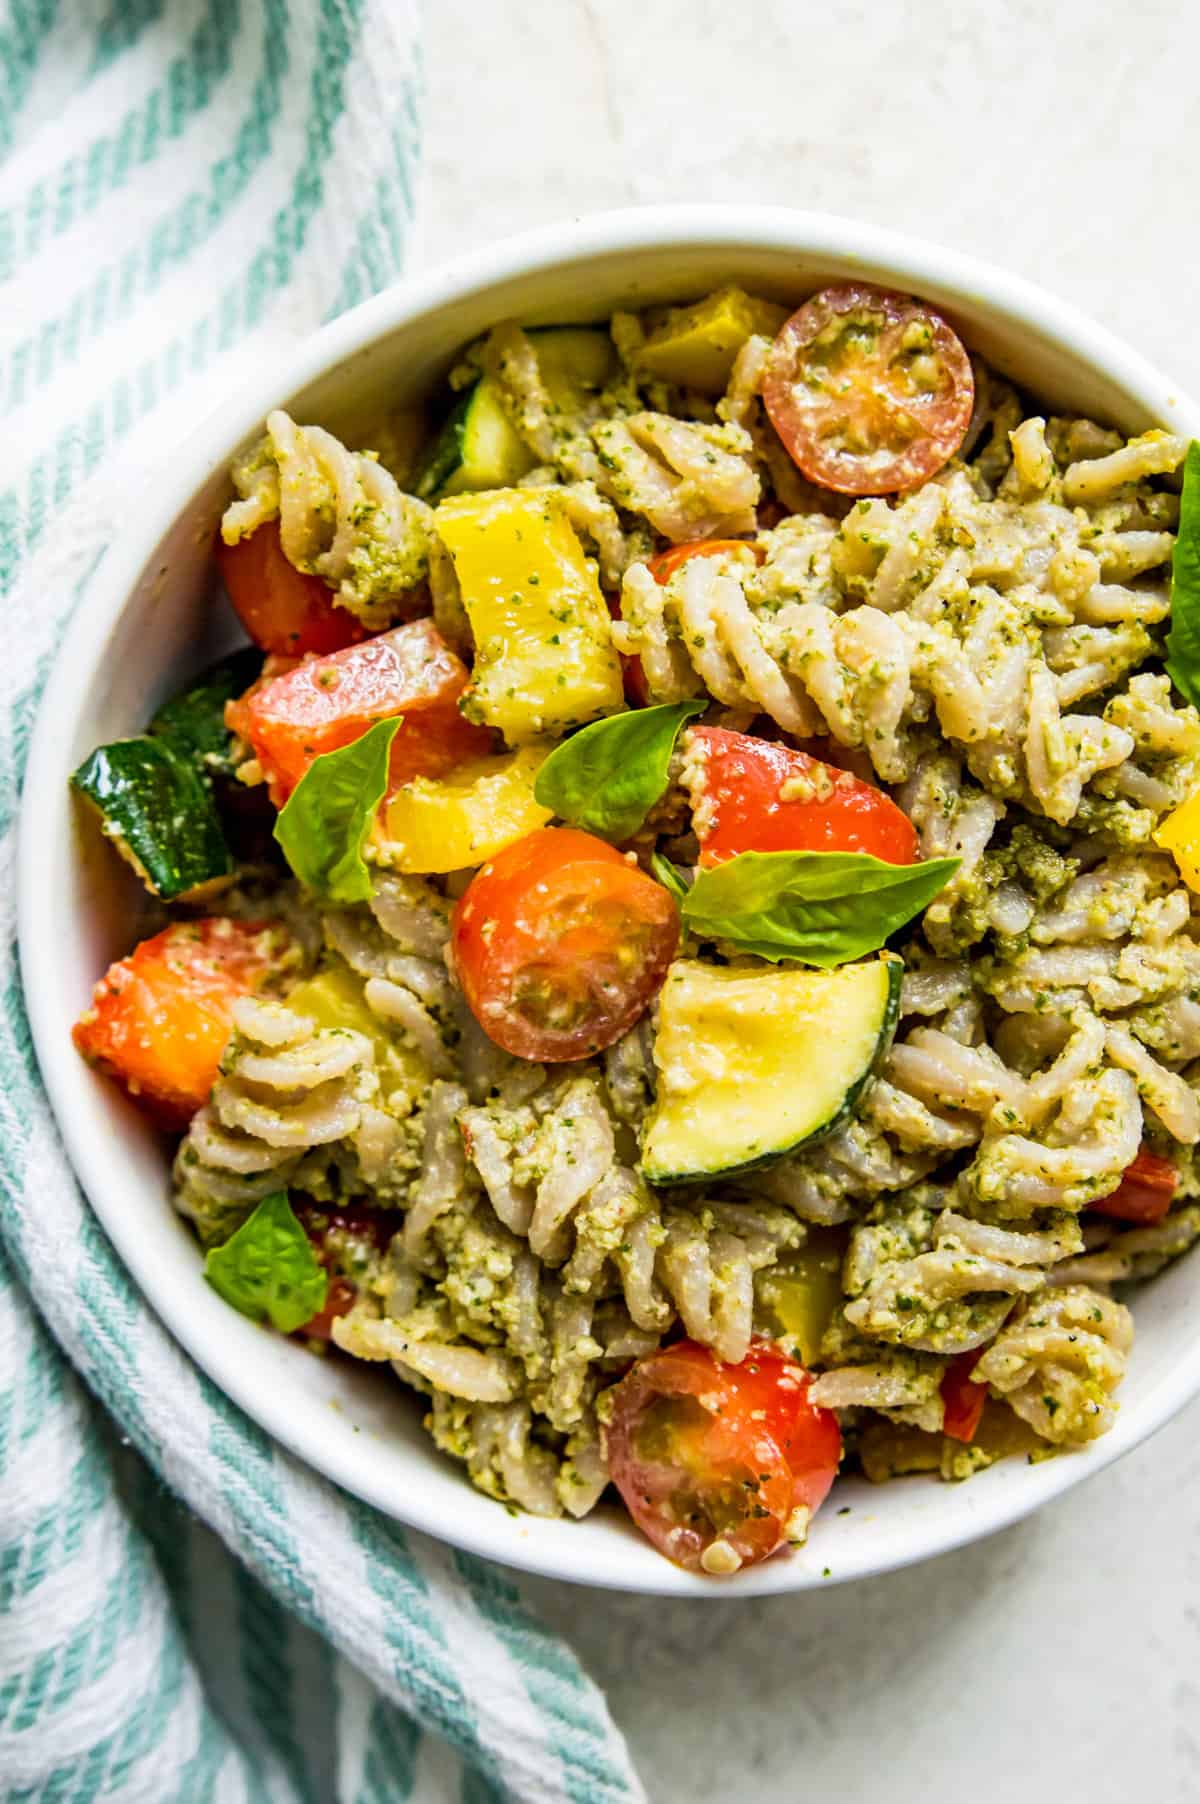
{"points": [[193, 722], [756, 1062], [477, 448], [159, 813], [480, 448]]}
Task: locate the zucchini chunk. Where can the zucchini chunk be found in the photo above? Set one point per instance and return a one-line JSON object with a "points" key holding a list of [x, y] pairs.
{"points": [[477, 448], [756, 1062], [159, 813], [544, 657], [193, 722], [480, 448]]}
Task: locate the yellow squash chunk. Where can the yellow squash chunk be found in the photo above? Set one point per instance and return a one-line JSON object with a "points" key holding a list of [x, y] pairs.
{"points": [[439, 824], [573, 362], [695, 347], [334, 998], [1180, 835], [801, 1293], [544, 658]]}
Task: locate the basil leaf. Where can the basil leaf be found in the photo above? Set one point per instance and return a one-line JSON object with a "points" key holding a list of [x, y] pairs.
{"points": [[1183, 640], [607, 777], [669, 875], [823, 908], [325, 819], [268, 1269]]}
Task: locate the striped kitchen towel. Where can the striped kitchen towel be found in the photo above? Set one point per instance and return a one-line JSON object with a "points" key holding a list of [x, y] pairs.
{"points": [[183, 185]]}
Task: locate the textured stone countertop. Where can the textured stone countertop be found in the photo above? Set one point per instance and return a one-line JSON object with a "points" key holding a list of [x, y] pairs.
{"points": [[1060, 1661]]}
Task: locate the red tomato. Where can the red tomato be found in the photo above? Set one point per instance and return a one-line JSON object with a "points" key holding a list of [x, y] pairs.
{"points": [[742, 808], [359, 1222], [324, 703], [704, 1452], [1145, 1193], [963, 1398], [339, 1300], [663, 565], [160, 1019], [870, 391], [637, 693], [560, 944], [281, 608]]}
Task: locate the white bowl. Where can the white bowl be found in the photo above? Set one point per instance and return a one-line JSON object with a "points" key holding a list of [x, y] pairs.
{"points": [[146, 626]]}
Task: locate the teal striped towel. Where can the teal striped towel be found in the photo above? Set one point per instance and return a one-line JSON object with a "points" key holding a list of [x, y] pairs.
{"points": [[183, 185]]}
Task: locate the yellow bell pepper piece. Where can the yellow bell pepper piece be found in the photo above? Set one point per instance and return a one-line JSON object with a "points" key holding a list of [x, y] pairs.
{"points": [[334, 998], [802, 1292], [437, 824], [544, 658], [695, 347], [1179, 834]]}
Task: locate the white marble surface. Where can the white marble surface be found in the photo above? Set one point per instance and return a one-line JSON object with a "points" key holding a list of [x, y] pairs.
{"points": [[1060, 1661]]}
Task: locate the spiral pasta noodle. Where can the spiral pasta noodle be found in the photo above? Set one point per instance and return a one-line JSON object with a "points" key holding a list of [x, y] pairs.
{"points": [[342, 516], [1059, 1360], [291, 1098]]}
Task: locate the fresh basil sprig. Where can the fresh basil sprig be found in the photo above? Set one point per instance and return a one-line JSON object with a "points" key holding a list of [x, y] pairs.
{"points": [[1183, 640], [325, 819], [669, 875], [268, 1269], [607, 777], [824, 908]]}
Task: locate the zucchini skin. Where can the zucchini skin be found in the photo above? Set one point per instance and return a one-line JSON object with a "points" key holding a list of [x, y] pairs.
{"points": [[445, 454], [843, 1113], [159, 812], [193, 722]]}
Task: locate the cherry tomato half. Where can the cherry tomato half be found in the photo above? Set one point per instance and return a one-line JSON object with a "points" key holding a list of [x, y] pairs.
{"points": [[663, 565], [560, 944], [282, 608], [1145, 1193], [760, 796], [337, 1234], [963, 1398], [713, 1459], [870, 391]]}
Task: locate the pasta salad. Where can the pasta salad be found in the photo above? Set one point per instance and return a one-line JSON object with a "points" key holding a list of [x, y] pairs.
{"points": [[676, 935]]}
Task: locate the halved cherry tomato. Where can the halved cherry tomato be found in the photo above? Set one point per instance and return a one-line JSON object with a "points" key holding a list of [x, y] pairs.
{"points": [[1145, 1193], [356, 1221], [324, 703], [663, 565], [744, 804], [339, 1300], [160, 1019], [282, 608], [560, 944], [870, 391], [374, 1227], [963, 1398], [713, 1459]]}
